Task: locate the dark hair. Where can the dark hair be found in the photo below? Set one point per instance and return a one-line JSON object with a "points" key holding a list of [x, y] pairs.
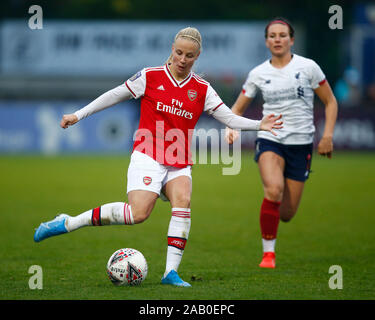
{"points": [[282, 21]]}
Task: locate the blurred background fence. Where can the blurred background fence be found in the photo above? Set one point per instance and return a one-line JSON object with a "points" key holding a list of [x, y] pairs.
{"points": [[87, 47]]}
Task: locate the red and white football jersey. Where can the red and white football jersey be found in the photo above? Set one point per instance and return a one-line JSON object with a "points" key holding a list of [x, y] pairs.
{"points": [[169, 113]]}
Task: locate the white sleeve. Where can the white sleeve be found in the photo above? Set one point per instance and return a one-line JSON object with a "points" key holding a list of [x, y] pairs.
{"points": [[233, 121], [316, 75], [137, 84], [106, 100], [249, 88], [213, 101]]}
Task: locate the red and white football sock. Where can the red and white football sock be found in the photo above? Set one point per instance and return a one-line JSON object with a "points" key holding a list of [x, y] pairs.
{"points": [[269, 222], [178, 233], [107, 214]]}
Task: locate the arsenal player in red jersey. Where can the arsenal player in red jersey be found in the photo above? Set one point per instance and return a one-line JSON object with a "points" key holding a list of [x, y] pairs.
{"points": [[172, 100]]}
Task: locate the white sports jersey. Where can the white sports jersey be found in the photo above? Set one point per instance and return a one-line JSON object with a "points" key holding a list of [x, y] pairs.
{"points": [[287, 91]]}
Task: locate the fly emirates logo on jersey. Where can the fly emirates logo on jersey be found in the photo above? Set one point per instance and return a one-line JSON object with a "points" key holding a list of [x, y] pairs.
{"points": [[175, 108]]}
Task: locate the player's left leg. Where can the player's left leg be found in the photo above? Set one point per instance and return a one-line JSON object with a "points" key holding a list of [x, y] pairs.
{"points": [[271, 167], [293, 191], [297, 171], [178, 191]]}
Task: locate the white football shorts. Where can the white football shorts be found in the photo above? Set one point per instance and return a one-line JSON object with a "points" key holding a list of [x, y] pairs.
{"points": [[145, 173]]}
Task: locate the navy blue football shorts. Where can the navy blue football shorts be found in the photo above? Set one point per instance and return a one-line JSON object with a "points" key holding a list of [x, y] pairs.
{"points": [[297, 157]]}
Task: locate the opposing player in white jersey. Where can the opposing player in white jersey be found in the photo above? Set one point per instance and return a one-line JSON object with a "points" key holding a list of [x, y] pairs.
{"points": [[287, 82], [172, 100]]}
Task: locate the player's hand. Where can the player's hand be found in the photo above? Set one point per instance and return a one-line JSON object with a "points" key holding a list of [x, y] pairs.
{"points": [[325, 147], [68, 120], [231, 135], [271, 122]]}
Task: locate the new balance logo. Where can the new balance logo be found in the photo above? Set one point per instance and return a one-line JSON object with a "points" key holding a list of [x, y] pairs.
{"points": [[161, 88]]}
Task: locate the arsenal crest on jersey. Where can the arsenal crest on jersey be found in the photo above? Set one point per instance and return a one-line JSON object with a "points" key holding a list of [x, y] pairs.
{"points": [[192, 94], [147, 180]]}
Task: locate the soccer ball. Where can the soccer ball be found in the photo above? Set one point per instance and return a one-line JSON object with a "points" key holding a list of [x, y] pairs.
{"points": [[127, 267]]}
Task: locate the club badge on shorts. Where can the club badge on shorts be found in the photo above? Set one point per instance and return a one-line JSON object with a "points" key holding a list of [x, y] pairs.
{"points": [[147, 180], [192, 94]]}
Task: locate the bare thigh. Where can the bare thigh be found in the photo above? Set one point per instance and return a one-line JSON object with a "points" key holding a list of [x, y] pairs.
{"points": [[178, 191], [271, 168], [142, 202]]}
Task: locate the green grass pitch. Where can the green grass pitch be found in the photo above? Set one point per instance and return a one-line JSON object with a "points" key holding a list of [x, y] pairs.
{"points": [[334, 226]]}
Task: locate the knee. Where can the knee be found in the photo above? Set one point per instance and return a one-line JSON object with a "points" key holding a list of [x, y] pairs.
{"points": [[274, 192], [181, 200], [140, 213]]}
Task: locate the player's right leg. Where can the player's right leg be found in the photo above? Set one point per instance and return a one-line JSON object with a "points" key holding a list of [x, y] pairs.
{"points": [[144, 183], [51, 228], [271, 167], [139, 208], [111, 213]]}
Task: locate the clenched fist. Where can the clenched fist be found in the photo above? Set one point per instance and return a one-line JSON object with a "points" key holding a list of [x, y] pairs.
{"points": [[68, 120]]}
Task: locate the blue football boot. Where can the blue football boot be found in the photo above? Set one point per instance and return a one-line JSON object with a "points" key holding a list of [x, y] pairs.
{"points": [[173, 278], [51, 228]]}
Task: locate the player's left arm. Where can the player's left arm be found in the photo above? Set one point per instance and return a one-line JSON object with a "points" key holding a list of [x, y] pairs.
{"points": [[269, 122], [214, 106], [325, 94]]}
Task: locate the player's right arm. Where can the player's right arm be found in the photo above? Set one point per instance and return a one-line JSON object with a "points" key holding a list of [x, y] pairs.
{"points": [[132, 88], [106, 100], [68, 120], [238, 108]]}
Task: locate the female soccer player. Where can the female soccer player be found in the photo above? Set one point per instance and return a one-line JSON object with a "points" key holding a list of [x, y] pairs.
{"points": [[172, 100], [287, 82]]}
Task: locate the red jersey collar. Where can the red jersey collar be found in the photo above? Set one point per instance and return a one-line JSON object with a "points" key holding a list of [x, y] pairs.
{"points": [[174, 81]]}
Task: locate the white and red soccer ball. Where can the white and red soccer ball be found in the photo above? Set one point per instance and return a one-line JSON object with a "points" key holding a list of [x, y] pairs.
{"points": [[127, 267]]}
